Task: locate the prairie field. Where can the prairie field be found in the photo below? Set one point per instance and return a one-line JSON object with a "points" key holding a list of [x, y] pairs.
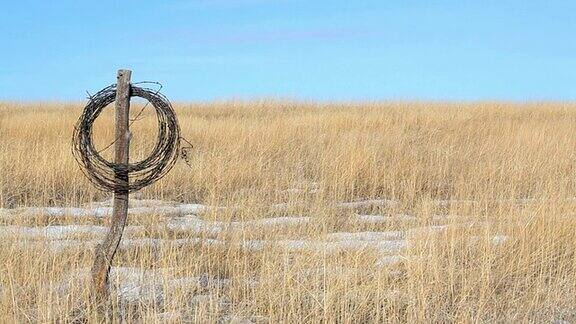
{"points": [[289, 212]]}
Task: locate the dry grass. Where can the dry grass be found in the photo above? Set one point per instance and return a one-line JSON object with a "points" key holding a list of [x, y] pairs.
{"points": [[500, 169]]}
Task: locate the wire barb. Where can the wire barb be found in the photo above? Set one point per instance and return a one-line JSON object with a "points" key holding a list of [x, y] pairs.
{"points": [[185, 151]]}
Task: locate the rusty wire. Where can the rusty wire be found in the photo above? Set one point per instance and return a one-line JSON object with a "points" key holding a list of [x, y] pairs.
{"points": [[103, 173]]}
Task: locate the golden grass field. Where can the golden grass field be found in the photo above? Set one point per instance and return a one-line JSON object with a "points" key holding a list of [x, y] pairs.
{"points": [[481, 197]]}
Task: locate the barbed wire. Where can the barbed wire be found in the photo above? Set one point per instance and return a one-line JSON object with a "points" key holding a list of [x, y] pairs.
{"points": [[102, 173]]}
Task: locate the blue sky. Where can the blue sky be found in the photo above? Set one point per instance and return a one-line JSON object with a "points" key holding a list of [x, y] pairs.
{"points": [[323, 50]]}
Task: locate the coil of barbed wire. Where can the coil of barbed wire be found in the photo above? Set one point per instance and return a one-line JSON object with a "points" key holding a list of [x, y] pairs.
{"points": [[102, 172]]}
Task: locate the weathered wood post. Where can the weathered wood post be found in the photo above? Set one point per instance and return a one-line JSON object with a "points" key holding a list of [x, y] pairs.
{"points": [[105, 252]]}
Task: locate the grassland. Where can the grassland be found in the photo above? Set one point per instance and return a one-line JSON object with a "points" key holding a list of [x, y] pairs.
{"points": [[481, 195]]}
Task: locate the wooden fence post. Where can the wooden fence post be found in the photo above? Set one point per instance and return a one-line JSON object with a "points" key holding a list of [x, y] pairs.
{"points": [[105, 252]]}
